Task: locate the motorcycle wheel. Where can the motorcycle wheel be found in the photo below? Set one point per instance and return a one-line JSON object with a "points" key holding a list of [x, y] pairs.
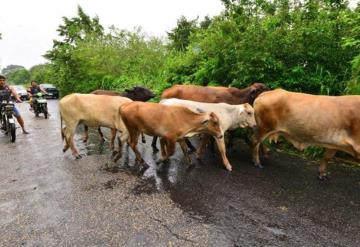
{"points": [[12, 129]]}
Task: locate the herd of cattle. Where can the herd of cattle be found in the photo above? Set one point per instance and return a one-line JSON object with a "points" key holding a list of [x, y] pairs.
{"points": [[332, 122]]}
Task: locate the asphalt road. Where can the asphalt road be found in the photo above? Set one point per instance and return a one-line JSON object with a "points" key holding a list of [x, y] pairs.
{"points": [[48, 198]]}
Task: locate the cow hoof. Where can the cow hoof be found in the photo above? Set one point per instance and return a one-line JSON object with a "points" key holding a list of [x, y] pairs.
{"points": [[143, 140], [229, 168], [259, 165], [164, 161], [143, 167], [117, 157], [78, 156], [155, 149], [113, 153], [323, 178]]}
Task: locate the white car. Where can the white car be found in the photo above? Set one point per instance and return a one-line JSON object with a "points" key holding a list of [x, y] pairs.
{"points": [[21, 91]]}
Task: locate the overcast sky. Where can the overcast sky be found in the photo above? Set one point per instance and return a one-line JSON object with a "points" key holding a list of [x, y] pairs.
{"points": [[29, 26]]}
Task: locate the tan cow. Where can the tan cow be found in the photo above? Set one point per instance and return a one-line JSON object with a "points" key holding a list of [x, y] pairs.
{"points": [[230, 116], [332, 122], [170, 123], [91, 110]]}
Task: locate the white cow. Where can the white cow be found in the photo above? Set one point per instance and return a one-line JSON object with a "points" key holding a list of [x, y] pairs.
{"points": [[231, 117], [91, 110]]}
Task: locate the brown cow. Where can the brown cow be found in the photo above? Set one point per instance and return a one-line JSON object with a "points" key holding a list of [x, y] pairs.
{"points": [[229, 95], [171, 123], [136, 94], [331, 122]]}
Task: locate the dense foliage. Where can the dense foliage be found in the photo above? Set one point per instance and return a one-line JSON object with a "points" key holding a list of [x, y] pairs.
{"points": [[311, 46]]}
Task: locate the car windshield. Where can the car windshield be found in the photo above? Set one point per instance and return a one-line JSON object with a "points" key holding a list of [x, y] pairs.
{"points": [[47, 85], [19, 88]]}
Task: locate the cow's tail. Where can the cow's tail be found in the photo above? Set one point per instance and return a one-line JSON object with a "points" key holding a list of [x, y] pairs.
{"points": [[61, 127]]}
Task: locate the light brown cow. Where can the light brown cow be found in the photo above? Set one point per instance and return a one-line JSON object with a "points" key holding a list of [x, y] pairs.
{"points": [[332, 122], [136, 94], [171, 123], [91, 110], [230, 116]]}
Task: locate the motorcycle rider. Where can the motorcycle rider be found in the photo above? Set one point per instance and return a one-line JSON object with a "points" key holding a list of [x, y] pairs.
{"points": [[34, 89], [6, 87]]}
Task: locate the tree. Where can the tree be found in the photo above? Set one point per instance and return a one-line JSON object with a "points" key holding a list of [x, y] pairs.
{"points": [[180, 35], [72, 31], [18, 76], [11, 68], [42, 73]]}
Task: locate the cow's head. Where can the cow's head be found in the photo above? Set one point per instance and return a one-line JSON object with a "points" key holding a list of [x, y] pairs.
{"points": [[139, 94], [211, 124], [255, 90], [247, 117]]}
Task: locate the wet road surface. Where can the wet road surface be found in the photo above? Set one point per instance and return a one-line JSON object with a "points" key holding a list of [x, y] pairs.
{"points": [[48, 198]]}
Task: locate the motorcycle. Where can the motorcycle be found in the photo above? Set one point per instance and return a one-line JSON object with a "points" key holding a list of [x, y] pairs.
{"points": [[40, 105], [6, 114]]}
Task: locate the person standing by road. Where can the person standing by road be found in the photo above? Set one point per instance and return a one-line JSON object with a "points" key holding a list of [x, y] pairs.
{"points": [[4, 86]]}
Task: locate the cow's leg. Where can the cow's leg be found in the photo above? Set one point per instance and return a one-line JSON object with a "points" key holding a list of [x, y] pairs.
{"points": [[329, 154], [163, 147], [190, 146], [86, 133], [68, 133], [204, 141], [170, 150], [143, 138], [222, 150], [102, 135], [259, 136], [74, 151], [66, 145], [133, 140], [183, 146], [112, 139], [121, 140], [69, 136], [153, 144]]}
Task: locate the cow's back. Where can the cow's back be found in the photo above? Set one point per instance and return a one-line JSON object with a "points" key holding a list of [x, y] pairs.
{"points": [[91, 109], [198, 93], [153, 118], [309, 118], [106, 92]]}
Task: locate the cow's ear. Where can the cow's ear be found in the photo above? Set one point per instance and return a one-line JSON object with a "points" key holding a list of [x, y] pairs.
{"points": [[213, 117], [253, 92], [208, 117], [205, 121]]}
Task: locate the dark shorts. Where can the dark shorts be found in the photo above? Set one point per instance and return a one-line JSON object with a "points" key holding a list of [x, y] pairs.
{"points": [[16, 112]]}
